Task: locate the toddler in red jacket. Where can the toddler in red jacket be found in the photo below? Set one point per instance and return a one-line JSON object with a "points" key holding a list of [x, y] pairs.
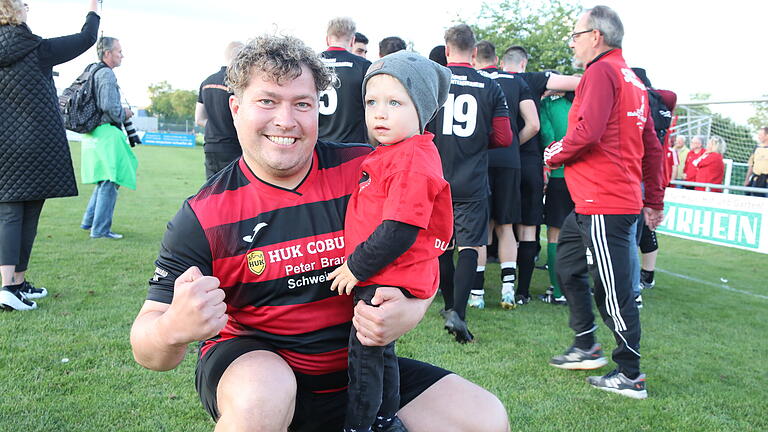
{"points": [[398, 221]]}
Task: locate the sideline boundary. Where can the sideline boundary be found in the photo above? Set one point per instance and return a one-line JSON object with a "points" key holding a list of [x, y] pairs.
{"points": [[712, 284]]}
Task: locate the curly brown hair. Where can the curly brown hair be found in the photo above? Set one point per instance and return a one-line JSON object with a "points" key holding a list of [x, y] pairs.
{"points": [[11, 12], [280, 58]]}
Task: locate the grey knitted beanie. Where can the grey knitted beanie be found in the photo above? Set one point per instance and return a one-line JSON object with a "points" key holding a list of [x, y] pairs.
{"points": [[427, 82]]}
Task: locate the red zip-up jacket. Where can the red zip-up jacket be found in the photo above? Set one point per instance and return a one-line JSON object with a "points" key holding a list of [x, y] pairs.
{"points": [[611, 145]]}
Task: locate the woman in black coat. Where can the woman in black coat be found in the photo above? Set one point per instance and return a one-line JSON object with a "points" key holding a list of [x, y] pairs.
{"points": [[35, 163]]}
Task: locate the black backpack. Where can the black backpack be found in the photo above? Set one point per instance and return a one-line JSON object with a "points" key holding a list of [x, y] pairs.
{"points": [[77, 102], [661, 114]]}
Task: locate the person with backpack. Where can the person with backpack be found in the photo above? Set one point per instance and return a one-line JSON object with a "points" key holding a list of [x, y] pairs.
{"points": [[662, 106], [107, 159], [35, 163]]}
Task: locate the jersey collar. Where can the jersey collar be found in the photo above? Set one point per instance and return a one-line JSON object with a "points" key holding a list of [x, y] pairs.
{"points": [[335, 48], [604, 54], [460, 64], [279, 191]]}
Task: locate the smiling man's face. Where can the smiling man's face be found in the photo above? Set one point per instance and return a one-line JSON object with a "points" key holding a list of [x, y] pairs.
{"points": [[277, 127]]}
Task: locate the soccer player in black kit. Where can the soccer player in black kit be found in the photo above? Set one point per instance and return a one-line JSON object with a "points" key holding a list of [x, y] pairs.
{"points": [[342, 114], [473, 119], [514, 60], [504, 174]]}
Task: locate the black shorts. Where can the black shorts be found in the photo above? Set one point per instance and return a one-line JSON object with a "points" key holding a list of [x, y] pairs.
{"points": [[532, 193], [558, 202], [314, 412], [470, 223], [505, 195]]}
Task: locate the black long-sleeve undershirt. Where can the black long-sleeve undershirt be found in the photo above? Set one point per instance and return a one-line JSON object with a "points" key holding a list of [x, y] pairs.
{"points": [[390, 240]]}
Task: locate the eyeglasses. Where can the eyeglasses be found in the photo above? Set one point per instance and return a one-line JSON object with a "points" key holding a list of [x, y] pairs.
{"points": [[575, 34]]}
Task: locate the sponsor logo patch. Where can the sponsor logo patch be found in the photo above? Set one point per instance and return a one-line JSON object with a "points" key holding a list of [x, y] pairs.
{"points": [[256, 262]]}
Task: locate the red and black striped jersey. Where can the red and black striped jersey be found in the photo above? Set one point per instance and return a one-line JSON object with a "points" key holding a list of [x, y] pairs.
{"points": [[516, 90], [342, 112], [272, 249], [462, 129]]}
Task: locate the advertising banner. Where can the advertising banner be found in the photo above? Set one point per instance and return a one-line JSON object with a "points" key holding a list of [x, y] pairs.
{"points": [[721, 219]]}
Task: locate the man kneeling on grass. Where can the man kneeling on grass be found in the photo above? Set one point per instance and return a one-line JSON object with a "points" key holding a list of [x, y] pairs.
{"points": [[244, 266]]}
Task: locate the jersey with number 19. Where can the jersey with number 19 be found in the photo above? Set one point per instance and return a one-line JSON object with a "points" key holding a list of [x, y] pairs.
{"points": [[342, 113], [462, 129]]}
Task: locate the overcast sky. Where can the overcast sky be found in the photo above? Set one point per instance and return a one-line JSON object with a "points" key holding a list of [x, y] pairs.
{"points": [[685, 45]]}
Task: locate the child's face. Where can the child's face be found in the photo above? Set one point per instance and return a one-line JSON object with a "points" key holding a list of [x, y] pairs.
{"points": [[389, 111]]}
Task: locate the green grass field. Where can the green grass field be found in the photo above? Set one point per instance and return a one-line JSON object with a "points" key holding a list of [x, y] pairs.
{"points": [[704, 347]]}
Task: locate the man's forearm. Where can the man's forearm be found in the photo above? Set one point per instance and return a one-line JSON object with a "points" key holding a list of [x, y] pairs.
{"points": [[149, 348]]}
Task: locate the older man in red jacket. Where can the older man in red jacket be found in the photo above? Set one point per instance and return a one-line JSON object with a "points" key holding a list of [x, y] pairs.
{"points": [[609, 149]]}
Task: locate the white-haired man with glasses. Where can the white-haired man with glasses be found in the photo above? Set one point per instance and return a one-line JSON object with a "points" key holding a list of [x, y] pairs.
{"points": [[609, 149]]}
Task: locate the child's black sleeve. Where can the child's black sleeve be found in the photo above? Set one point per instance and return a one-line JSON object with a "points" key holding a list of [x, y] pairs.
{"points": [[390, 240]]}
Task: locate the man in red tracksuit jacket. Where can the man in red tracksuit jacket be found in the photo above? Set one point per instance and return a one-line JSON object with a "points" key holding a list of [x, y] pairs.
{"points": [[609, 149]]}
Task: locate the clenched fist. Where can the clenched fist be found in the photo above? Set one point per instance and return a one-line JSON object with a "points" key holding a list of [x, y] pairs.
{"points": [[197, 311]]}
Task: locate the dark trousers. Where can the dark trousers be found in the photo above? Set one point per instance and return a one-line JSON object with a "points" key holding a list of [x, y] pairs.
{"points": [[600, 245], [374, 377], [217, 161], [18, 228], [759, 181]]}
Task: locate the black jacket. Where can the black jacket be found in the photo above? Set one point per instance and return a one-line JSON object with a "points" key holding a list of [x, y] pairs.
{"points": [[35, 161]]}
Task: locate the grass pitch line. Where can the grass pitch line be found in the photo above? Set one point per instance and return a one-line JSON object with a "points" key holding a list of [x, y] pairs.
{"points": [[723, 286]]}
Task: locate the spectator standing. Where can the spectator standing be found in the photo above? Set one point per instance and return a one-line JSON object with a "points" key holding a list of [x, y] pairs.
{"points": [[342, 115], [697, 149], [682, 155], [107, 159], [757, 171], [35, 163], [212, 112], [609, 149], [710, 167]]}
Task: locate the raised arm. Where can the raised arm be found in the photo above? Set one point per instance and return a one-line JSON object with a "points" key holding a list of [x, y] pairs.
{"points": [[62, 49], [562, 82]]}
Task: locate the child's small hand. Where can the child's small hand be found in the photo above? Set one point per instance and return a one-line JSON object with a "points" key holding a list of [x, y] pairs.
{"points": [[343, 279]]}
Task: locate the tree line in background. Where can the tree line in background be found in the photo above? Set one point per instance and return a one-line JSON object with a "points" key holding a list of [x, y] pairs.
{"points": [[171, 105], [542, 28]]}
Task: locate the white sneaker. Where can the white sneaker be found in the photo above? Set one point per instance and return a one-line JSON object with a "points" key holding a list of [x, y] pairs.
{"points": [[12, 299]]}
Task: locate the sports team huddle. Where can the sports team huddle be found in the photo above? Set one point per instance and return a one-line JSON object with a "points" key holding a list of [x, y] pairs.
{"points": [[365, 188]]}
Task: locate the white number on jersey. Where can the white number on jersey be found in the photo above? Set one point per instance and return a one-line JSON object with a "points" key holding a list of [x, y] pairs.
{"points": [[328, 107], [463, 110]]}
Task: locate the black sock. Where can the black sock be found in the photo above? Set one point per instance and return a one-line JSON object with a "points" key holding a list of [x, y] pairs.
{"points": [[631, 377], [466, 268], [585, 341], [14, 287], [526, 256], [646, 275], [446, 278], [508, 274], [479, 279]]}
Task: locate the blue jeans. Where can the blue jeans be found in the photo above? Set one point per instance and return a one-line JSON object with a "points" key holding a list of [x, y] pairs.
{"points": [[101, 206]]}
